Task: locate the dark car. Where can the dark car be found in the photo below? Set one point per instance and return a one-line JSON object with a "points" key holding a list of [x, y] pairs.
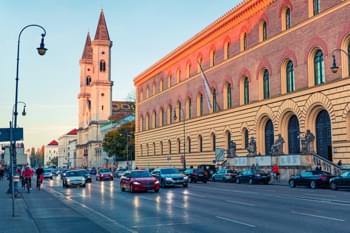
{"points": [[342, 181], [93, 171], [196, 174], [252, 176], [312, 179], [210, 168], [86, 174], [170, 177], [104, 174], [138, 180], [225, 175]]}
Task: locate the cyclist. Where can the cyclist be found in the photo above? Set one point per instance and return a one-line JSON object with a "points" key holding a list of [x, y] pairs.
{"points": [[27, 174], [39, 176]]}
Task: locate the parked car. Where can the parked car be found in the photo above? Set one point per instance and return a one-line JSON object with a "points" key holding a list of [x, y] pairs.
{"points": [[170, 177], [225, 175], [74, 178], [48, 173], [342, 181], [311, 178], [196, 174], [86, 174], [104, 174], [119, 172], [93, 171], [252, 176], [210, 168], [138, 180]]}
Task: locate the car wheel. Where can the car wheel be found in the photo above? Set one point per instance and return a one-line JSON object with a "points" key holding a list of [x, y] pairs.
{"points": [[250, 181], [204, 181], [313, 184], [334, 186], [185, 185], [238, 181], [84, 185], [292, 184], [122, 188], [156, 191]]}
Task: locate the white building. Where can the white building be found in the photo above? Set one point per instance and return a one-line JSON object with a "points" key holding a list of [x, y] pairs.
{"points": [[51, 151], [72, 153], [63, 148], [22, 158]]}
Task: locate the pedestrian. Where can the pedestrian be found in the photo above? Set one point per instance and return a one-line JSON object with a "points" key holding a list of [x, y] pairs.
{"points": [[253, 167], [318, 167], [39, 176], [340, 163]]}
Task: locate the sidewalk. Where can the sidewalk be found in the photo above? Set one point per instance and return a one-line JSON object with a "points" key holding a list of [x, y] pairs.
{"points": [[40, 212]]}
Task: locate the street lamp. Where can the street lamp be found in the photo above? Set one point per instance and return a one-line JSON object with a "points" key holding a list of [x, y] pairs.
{"points": [[41, 50], [334, 66], [184, 143], [127, 135]]}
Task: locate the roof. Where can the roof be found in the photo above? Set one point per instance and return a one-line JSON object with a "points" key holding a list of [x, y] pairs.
{"points": [[87, 53], [53, 143], [102, 31], [73, 132]]}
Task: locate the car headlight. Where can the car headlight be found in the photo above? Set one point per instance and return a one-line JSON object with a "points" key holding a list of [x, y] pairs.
{"points": [[137, 183], [185, 177], [68, 180], [156, 182], [258, 175], [168, 178]]}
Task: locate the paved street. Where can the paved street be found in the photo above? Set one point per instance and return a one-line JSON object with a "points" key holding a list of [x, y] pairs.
{"points": [[212, 207]]}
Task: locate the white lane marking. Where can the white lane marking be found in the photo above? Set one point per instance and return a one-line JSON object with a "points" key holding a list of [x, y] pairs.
{"points": [[236, 221], [98, 213], [318, 216], [240, 203], [323, 201], [161, 225]]}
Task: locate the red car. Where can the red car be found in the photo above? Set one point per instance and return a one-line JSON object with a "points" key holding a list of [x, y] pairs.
{"points": [[104, 174], [138, 180]]}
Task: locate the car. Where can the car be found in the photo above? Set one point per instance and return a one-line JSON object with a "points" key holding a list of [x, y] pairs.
{"points": [[252, 176], [170, 177], [210, 168], [340, 182], [225, 175], [74, 178], [138, 180], [311, 178], [48, 173], [93, 171], [118, 173], [196, 174], [104, 174], [86, 174]]}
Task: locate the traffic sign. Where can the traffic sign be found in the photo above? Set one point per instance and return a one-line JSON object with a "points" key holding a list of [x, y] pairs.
{"points": [[5, 134]]}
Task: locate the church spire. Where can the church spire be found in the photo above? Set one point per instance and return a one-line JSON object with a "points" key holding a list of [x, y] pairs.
{"points": [[87, 53], [102, 31]]}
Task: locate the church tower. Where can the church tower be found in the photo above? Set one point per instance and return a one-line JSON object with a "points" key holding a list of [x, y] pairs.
{"points": [[95, 97]]}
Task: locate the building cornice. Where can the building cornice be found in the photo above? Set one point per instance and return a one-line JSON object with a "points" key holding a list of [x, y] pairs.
{"points": [[231, 19]]}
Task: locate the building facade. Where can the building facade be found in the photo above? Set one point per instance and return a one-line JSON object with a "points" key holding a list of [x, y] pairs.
{"points": [[64, 150], [72, 153], [95, 96], [51, 152], [267, 63]]}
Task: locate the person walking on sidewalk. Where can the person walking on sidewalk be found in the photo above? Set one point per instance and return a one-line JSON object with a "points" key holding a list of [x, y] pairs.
{"points": [[276, 172], [28, 174], [39, 176], [2, 172]]}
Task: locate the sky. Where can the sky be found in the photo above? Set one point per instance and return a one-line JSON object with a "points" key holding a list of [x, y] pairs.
{"points": [[142, 31]]}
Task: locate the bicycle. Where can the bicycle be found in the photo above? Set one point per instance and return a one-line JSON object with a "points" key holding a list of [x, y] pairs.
{"points": [[28, 184], [276, 177]]}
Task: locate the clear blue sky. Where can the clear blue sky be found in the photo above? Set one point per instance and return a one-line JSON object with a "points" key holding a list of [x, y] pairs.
{"points": [[142, 33]]}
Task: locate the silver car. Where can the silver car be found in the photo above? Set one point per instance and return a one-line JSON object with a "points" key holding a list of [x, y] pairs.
{"points": [[74, 178], [48, 173]]}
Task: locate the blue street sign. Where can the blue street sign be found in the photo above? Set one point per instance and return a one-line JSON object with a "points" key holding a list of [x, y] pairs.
{"points": [[5, 134]]}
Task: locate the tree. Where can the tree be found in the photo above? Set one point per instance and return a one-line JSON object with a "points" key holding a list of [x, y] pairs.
{"points": [[53, 161], [120, 141]]}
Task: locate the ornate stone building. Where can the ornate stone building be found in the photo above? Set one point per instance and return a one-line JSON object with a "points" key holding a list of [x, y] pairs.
{"points": [[267, 63]]}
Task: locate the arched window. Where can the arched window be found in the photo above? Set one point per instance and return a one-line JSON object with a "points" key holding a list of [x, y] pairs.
{"points": [[319, 72], [215, 104], [188, 70], [189, 108], [178, 112], [243, 42], [153, 89], [245, 138], [88, 81], [316, 7], [212, 57], [142, 124], [169, 81], [161, 85], [147, 148], [89, 104], [154, 119], [228, 139], [213, 141], [163, 117], [200, 143], [189, 144], [178, 75], [169, 114], [263, 31], [141, 150], [201, 105], [290, 77], [102, 66], [161, 148], [228, 95], [154, 148], [226, 50], [266, 84], [246, 90], [178, 146], [199, 64], [169, 146], [288, 19], [147, 92], [148, 125]]}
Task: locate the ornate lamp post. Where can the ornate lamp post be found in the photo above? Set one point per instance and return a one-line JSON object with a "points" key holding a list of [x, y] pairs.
{"points": [[334, 66], [184, 136]]}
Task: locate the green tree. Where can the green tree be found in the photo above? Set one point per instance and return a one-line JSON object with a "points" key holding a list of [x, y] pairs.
{"points": [[120, 142]]}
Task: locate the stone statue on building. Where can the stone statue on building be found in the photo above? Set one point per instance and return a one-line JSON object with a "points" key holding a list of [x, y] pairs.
{"points": [[277, 148], [232, 150], [251, 147], [307, 143]]}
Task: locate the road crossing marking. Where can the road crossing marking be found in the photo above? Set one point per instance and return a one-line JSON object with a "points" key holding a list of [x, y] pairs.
{"points": [[236, 221], [318, 216]]}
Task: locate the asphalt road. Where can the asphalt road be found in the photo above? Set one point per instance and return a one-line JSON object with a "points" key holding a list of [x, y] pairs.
{"points": [[210, 208]]}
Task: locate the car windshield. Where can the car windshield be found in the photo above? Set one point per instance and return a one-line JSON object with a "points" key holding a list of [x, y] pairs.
{"points": [[83, 172], [105, 170], [169, 171], [140, 174], [47, 170], [345, 174], [74, 173]]}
